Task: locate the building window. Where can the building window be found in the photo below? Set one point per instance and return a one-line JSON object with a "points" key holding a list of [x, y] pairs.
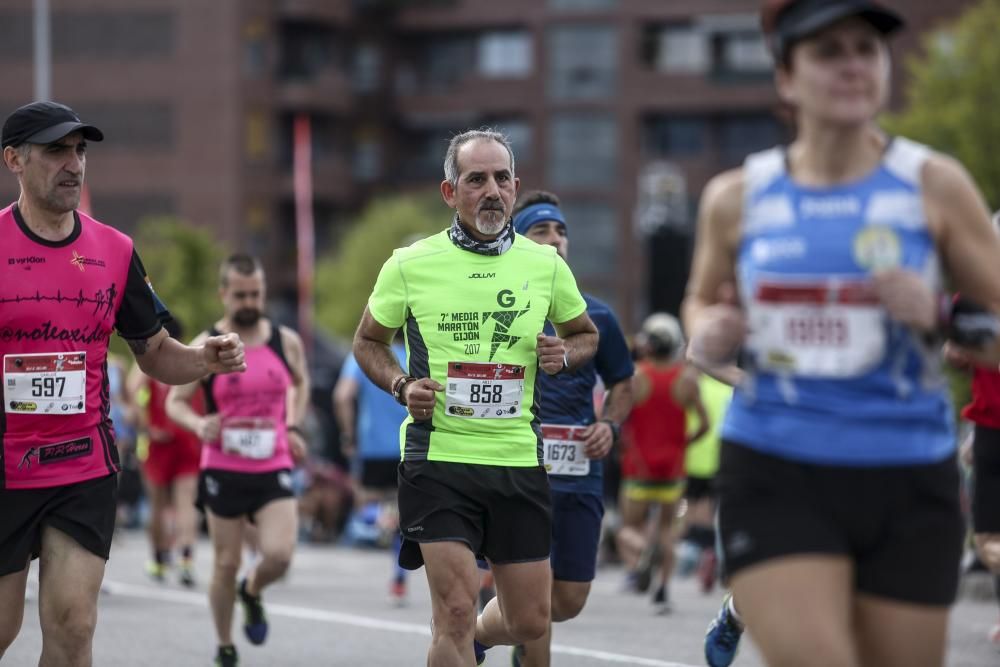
{"points": [[367, 159], [326, 131], [674, 136], [422, 151], [519, 132], [15, 36], [741, 54], [112, 35], [131, 124], [505, 54], [367, 70], [583, 151], [594, 239], [436, 63], [722, 45], [583, 62], [741, 135], [447, 62], [255, 49], [679, 49], [307, 50], [582, 4]]}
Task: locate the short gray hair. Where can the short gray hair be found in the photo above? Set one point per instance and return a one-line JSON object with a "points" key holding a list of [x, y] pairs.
{"points": [[459, 140]]}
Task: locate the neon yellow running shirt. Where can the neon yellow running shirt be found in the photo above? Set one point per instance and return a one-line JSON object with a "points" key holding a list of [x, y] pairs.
{"points": [[470, 322], [702, 456]]}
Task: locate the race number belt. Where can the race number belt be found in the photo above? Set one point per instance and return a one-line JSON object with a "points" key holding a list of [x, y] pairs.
{"points": [[563, 450], [825, 329], [249, 437], [48, 384], [484, 391]]}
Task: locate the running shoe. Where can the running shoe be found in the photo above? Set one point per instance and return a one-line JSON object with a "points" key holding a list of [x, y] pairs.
{"points": [[397, 592], [156, 571], [648, 560], [480, 651], [185, 573], [995, 637], [254, 620], [227, 657], [661, 601], [722, 640]]}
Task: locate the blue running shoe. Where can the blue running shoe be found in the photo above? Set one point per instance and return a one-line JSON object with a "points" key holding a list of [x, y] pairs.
{"points": [[480, 651], [254, 620], [722, 640]]}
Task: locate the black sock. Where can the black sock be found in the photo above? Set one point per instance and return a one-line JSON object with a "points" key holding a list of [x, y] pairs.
{"points": [[162, 557], [186, 552]]}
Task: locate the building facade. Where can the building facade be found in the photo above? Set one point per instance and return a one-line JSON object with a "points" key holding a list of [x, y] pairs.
{"points": [[622, 107]]}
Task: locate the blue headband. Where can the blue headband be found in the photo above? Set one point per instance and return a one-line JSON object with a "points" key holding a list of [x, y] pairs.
{"points": [[535, 214]]}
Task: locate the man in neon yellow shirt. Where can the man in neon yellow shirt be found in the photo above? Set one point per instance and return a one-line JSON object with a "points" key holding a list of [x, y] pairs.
{"points": [[473, 301]]}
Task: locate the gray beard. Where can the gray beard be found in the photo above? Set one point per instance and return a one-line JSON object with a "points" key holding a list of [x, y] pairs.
{"points": [[490, 228]]}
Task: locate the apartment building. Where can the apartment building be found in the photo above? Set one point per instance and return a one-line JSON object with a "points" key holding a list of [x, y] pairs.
{"points": [[623, 107]]}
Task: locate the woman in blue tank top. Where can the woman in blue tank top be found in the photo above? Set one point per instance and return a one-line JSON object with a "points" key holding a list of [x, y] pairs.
{"points": [[821, 266]]}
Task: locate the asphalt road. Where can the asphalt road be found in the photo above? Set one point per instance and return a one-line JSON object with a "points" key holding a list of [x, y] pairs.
{"points": [[333, 609]]}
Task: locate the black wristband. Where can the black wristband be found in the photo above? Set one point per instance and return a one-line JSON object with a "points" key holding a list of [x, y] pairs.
{"points": [[969, 324], [616, 429], [292, 428]]}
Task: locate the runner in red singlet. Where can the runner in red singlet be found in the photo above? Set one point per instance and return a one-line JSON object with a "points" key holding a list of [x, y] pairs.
{"points": [[653, 457], [170, 458], [66, 282]]}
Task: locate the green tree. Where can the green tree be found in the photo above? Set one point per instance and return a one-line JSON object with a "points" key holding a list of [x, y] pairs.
{"points": [[953, 95], [952, 102], [345, 277], [182, 262]]}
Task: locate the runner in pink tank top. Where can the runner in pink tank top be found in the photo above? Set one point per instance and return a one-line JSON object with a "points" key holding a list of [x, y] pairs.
{"points": [[253, 413], [251, 437], [66, 282]]}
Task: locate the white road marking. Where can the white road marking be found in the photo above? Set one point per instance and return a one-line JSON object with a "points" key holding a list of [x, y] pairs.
{"points": [[324, 616]]}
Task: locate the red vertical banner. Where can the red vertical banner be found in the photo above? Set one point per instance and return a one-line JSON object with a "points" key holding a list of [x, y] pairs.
{"points": [[304, 233]]}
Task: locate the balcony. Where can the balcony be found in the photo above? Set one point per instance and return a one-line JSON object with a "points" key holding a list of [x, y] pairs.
{"points": [[328, 11], [330, 91]]}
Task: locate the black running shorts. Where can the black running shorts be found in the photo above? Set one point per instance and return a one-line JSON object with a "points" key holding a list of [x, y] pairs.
{"points": [[85, 511], [986, 487], [501, 513], [902, 525], [379, 474], [236, 494], [699, 488]]}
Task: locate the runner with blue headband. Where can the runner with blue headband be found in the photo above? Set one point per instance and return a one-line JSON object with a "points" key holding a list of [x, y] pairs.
{"points": [[575, 439]]}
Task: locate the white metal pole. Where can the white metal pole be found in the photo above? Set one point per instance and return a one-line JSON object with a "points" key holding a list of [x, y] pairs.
{"points": [[43, 51]]}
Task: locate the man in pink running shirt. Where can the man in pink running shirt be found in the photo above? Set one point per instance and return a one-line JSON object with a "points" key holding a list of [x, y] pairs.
{"points": [[251, 437], [66, 282]]}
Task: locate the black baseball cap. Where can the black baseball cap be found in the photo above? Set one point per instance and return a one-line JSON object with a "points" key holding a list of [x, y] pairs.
{"points": [[43, 123], [788, 22]]}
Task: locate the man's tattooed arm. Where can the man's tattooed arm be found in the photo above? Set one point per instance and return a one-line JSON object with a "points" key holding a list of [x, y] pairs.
{"points": [[138, 346]]}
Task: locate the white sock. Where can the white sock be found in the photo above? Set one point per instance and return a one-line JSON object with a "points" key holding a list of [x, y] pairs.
{"points": [[733, 613]]}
